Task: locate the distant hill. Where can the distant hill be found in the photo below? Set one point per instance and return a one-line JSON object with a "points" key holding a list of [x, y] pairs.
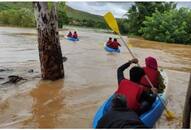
{"points": [[81, 15], [71, 13], [75, 17]]}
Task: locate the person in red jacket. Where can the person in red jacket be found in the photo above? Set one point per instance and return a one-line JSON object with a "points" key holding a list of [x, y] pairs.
{"points": [[151, 70], [115, 44], [75, 35], [137, 99], [69, 34], [109, 41]]}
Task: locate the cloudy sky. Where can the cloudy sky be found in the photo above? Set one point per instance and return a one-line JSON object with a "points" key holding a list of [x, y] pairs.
{"points": [[117, 8]]}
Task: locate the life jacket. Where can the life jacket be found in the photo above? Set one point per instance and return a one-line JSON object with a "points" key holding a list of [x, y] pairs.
{"points": [[109, 42], [69, 34], [115, 45], [132, 91], [75, 35], [152, 75]]}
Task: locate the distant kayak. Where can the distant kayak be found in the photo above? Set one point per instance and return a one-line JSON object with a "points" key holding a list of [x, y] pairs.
{"points": [[149, 118], [108, 49], [72, 39]]}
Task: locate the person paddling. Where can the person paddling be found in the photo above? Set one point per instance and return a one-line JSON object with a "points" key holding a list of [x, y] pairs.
{"points": [[75, 35], [120, 116], [109, 41], [115, 44], [137, 99], [69, 34], [151, 70]]}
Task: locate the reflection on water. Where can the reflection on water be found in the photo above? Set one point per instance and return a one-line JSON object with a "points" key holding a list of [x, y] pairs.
{"points": [[47, 102]]}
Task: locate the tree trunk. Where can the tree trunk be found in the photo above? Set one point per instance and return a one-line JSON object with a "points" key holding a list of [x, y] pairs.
{"points": [[50, 53], [187, 108]]}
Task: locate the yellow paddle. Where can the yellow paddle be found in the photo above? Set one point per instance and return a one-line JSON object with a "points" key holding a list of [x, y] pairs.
{"points": [[112, 23]]}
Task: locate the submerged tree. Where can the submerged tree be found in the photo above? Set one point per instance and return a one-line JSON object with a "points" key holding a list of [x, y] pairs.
{"points": [[50, 53]]}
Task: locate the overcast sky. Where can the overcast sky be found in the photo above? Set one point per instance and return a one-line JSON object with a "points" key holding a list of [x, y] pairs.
{"points": [[117, 8]]}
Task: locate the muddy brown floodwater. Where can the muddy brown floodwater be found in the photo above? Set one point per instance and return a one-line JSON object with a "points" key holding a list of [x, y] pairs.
{"points": [[90, 78]]}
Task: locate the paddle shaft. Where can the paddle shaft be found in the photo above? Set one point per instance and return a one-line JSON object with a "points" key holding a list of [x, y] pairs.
{"points": [[126, 46], [147, 78]]}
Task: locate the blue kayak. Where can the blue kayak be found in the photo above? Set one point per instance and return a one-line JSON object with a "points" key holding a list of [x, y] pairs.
{"points": [[149, 118], [108, 49], [72, 39]]}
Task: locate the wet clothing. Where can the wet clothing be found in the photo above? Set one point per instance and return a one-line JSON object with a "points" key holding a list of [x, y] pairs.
{"points": [[114, 45], [120, 118], [137, 99], [75, 35], [69, 34]]}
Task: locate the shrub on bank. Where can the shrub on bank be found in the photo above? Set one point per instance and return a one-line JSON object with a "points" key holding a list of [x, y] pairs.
{"points": [[22, 17], [171, 26]]}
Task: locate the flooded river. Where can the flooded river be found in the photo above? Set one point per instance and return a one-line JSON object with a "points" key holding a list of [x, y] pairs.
{"points": [[90, 78]]}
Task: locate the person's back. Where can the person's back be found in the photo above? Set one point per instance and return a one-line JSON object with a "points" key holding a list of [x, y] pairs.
{"points": [[115, 44], [152, 75], [151, 70], [109, 42], [120, 116], [69, 34], [120, 119], [75, 35]]}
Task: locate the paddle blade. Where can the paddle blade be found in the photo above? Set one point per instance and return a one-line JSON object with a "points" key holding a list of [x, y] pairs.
{"points": [[112, 23], [169, 115]]}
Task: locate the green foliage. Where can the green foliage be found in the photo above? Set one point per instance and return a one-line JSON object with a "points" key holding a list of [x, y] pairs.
{"points": [[22, 14], [10, 14], [22, 17], [123, 26], [15, 5], [17, 14], [170, 26], [138, 12], [62, 16]]}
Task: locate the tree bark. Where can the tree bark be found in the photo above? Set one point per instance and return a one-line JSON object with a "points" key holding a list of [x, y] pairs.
{"points": [[50, 53], [187, 108]]}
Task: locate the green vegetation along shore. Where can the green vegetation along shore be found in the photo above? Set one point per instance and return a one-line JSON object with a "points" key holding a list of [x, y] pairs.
{"points": [[158, 21]]}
